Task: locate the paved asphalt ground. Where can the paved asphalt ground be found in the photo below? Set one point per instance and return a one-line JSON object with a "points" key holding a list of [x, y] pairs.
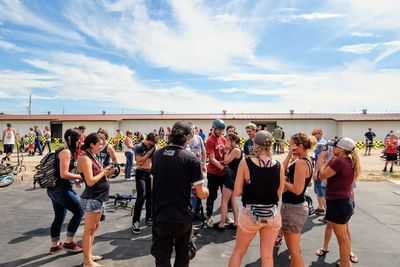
{"points": [[26, 215]]}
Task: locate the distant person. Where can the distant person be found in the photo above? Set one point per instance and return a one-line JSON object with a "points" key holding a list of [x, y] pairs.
{"points": [[259, 128], [341, 172], [319, 189], [129, 155], [107, 155], [175, 171], [277, 134], [391, 145], [47, 135], [38, 140], [251, 129], [31, 145], [143, 156], [82, 129], [369, 141], [230, 129], [202, 135], [118, 140], [282, 144], [9, 139], [161, 133]]}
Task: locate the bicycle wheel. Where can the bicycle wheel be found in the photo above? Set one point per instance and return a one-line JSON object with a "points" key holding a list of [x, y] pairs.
{"points": [[6, 180]]}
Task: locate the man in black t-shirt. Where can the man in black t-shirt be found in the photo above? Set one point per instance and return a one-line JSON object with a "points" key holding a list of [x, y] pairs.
{"points": [[248, 145], [369, 141], [175, 170], [143, 157]]}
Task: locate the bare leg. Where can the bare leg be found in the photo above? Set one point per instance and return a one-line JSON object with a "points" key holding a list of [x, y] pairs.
{"points": [[344, 243], [91, 223], [226, 195], [235, 209], [293, 244], [243, 240]]}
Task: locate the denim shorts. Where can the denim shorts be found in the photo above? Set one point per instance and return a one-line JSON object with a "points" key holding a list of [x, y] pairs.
{"points": [[92, 205], [318, 188]]}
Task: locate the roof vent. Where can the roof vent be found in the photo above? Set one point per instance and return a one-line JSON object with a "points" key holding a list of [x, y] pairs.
{"points": [[162, 112], [48, 112], [291, 111], [364, 111], [224, 111], [104, 112]]}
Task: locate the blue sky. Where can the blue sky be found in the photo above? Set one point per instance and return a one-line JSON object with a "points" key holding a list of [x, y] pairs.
{"points": [[199, 56]]}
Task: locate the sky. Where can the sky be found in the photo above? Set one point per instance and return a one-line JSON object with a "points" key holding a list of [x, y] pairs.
{"points": [[199, 56]]}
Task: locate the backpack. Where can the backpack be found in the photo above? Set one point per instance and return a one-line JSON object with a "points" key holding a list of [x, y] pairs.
{"points": [[45, 175]]}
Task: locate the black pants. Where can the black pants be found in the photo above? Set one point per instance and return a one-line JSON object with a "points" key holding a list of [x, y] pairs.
{"points": [[215, 182], [143, 188], [277, 147], [165, 237]]}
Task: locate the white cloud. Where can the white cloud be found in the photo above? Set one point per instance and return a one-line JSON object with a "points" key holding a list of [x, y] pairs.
{"points": [[308, 16], [359, 48], [10, 46], [362, 34], [197, 38], [13, 10]]}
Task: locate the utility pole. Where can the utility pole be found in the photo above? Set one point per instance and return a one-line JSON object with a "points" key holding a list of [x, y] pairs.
{"points": [[30, 104]]}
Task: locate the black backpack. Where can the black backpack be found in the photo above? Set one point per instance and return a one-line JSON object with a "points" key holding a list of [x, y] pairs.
{"points": [[45, 175]]}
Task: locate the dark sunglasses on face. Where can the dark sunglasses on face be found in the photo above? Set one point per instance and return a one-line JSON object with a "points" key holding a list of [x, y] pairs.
{"points": [[296, 139]]}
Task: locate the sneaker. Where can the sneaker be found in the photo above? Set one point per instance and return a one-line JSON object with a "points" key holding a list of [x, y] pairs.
{"points": [[56, 248], [229, 220], [391, 169], [210, 222], [322, 219], [278, 241], [320, 211], [149, 222], [103, 217], [130, 179], [135, 228], [73, 247], [384, 169]]}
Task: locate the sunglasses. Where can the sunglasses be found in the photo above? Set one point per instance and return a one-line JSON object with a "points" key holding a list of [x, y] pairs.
{"points": [[296, 139]]}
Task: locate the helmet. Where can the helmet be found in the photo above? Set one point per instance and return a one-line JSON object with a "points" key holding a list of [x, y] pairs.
{"points": [[218, 124]]}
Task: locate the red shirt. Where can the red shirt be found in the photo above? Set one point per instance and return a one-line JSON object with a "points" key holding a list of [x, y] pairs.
{"points": [[216, 146], [340, 185], [391, 146]]}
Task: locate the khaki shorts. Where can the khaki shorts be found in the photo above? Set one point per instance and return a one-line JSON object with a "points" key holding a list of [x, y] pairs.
{"points": [[294, 216], [246, 223]]}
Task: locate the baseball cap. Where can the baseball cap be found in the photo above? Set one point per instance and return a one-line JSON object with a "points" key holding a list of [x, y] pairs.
{"points": [[262, 137], [343, 142], [182, 128]]}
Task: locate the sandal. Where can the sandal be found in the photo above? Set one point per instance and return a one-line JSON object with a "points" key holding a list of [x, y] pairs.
{"points": [[354, 258], [97, 258], [321, 252]]}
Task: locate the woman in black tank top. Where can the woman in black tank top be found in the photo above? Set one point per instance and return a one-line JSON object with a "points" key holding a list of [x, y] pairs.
{"points": [[260, 182], [233, 156], [294, 207]]}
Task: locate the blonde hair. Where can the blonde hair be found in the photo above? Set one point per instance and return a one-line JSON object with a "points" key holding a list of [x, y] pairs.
{"points": [[257, 149], [251, 126], [356, 162], [308, 141]]}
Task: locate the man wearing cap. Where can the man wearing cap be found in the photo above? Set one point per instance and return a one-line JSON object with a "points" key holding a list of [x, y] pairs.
{"points": [[175, 170], [215, 149], [248, 145], [369, 141]]}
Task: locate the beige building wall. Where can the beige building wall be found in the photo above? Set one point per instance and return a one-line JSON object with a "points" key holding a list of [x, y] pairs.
{"points": [[22, 127], [356, 130]]}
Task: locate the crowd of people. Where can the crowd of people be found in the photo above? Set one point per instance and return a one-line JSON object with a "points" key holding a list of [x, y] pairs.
{"points": [[166, 177]]}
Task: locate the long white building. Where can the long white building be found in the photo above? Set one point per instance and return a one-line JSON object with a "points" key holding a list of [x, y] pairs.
{"points": [[350, 125]]}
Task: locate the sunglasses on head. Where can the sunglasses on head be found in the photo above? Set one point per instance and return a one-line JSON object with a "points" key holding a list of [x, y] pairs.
{"points": [[296, 139]]}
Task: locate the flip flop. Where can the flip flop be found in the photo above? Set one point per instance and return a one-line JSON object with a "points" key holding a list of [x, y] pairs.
{"points": [[97, 258], [354, 258], [321, 252]]}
